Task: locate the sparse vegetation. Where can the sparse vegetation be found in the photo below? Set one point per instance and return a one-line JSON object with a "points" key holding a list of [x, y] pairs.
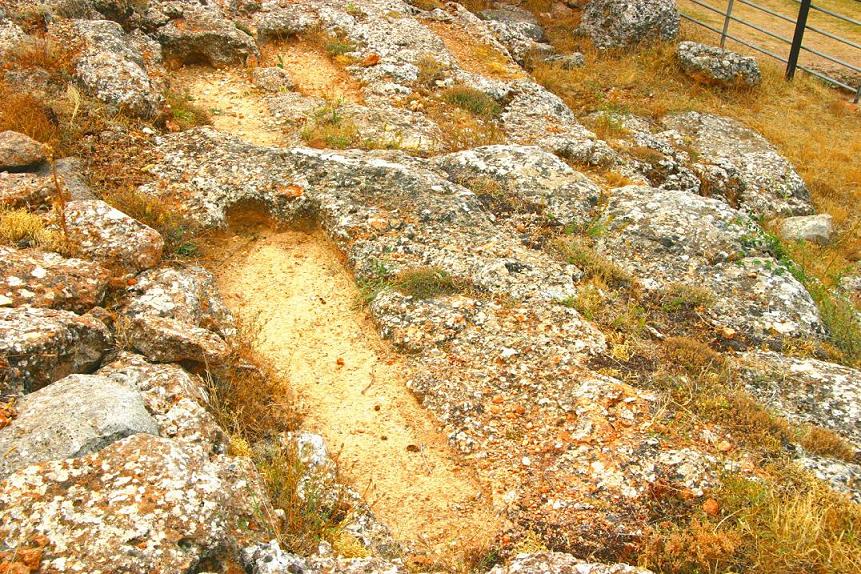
{"points": [[427, 282], [784, 523], [163, 215], [55, 57], [648, 82], [472, 100], [431, 70], [22, 227], [576, 251], [328, 128], [184, 113]]}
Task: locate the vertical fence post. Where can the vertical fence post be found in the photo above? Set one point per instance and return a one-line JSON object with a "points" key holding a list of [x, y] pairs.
{"points": [[726, 23], [795, 50]]}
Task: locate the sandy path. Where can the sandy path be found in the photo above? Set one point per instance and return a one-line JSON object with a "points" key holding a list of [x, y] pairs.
{"points": [[352, 387], [232, 100], [313, 71]]}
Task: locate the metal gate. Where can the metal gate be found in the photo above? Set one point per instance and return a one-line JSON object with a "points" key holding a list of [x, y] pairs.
{"points": [[796, 44]]}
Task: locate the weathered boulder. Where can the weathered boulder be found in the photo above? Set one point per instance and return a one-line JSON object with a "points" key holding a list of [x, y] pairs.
{"points": [[664, 237], [741, 166], [560, 563], [534, 116], [282, 20], [623, 23], [518, 30], [39, 279], [650, 152], [166, 340], [19, 152], [35, 189], [75, 416], [40, 346], [840, 475], [175, 314], [11, 35], [143, 504], [817, 392], [111, 68], [197, 34], [526, 176], [814, 228], [107, 235], [187, 294], [175, 399], [270, 559], [273, 79], [714, 65], [566, 61]]}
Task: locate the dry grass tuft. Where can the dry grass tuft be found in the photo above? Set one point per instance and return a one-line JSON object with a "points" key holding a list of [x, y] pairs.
{"points": [[56, 58], [22, 228], [472, 100], [329, 128], [247, 397], [23, 112], [577, 251], [183, 113], [786, 523], [163, 215], [427, 282]]}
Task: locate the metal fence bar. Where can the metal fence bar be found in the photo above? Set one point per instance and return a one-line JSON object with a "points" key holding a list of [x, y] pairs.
{"points": [[768, 11], [739, 40], [763, 30], [831, 59], [796, 44], [832, 36], [797, 39], [830, 13], [726, 22]]}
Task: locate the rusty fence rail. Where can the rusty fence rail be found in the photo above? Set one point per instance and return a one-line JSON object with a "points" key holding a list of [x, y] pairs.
{"points": [[795, 43]]}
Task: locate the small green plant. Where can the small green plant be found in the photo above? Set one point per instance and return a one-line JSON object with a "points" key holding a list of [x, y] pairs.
{"points": [[576, 251], [472, 100], [431, 70], [184, 112], [427, 282], [328, 128], [339, 47], [682, 297]]}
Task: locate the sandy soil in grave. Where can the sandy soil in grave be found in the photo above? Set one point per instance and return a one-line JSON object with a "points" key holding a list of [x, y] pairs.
{"points": [[313, 71], [232, 100], [352, 387]]}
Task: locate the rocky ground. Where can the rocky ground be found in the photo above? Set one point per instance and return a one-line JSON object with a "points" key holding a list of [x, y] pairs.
{"points": [[370, 212]]}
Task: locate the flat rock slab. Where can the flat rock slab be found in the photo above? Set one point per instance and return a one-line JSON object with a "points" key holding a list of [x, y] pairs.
{"points": [[560, 563], [824, 394], [44, 279], [524, 175], [166, 340], [75, 416], [623, 23], [19, 152], [35, 189], [815, 228], [741, 166], [667, 237], [122, 244], [714, 65], [141, 505], [40, 346]]}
